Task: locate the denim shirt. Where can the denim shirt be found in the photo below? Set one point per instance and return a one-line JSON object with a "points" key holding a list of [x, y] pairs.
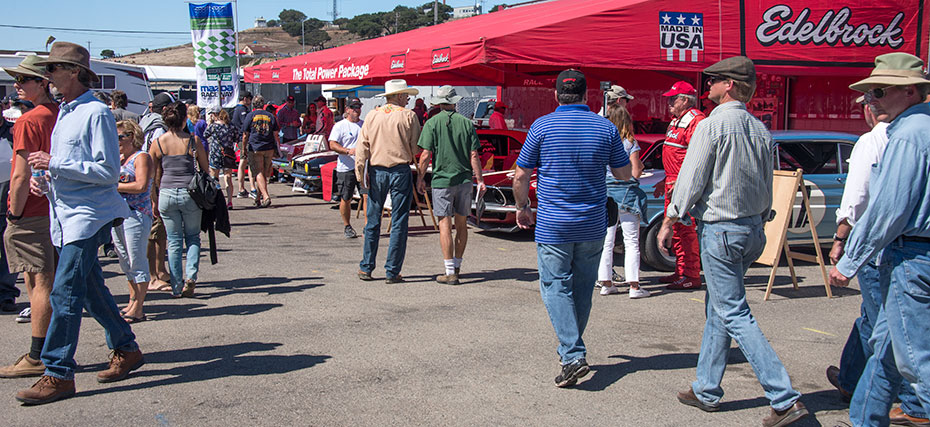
{"points": [[900, 202], [84, 171], [628, 196]]}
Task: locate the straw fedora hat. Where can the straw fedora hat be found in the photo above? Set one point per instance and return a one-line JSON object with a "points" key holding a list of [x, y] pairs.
{"points": [[27, 67], [69, 53], [893, 69], [396, 86]]}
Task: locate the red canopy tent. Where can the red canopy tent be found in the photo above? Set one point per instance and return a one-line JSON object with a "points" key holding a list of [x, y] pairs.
{"points": [[607, 39]]}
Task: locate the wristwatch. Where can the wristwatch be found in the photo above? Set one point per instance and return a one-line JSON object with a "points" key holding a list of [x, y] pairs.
{"points": [[839, 239], [10, 216], [524, 207]]}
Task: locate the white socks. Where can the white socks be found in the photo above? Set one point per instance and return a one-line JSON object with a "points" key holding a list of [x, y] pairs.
{"points": [[450, 266]]}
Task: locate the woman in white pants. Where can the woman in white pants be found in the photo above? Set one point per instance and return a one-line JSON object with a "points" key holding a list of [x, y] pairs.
{"points": [[630, 200]]}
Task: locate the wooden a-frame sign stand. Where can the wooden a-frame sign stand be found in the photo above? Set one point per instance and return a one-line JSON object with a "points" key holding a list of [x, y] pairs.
{"points": [[785, 186]]}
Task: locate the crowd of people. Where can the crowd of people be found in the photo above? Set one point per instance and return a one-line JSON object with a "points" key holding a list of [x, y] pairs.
{"points": [[83, 173]]}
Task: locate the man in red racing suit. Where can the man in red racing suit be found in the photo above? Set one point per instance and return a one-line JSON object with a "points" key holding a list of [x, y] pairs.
{"points": [[682, 100]]}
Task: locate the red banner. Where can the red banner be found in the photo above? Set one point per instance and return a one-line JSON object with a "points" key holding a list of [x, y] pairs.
{"points": [[844, 31]]}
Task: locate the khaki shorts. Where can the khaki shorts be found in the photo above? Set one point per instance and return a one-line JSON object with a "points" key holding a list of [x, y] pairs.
{"points": [[260, 162], [28, 244], [158, 229]]}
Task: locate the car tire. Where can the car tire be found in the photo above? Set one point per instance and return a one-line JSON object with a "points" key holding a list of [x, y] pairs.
{"points": [[650, 250]]}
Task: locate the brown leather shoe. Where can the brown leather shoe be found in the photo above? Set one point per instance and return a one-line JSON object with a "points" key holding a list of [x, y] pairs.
{"points": [[48, 389], [833, 375], [121, 364], [900, 418], [188, 291], [788, 416], [25, 366], [450, 279], [688, 398]]}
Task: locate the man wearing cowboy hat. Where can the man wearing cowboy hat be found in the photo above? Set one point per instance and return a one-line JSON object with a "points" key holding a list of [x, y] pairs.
{"points": [[726, 183], [897, 223], [452, 138], [387, 144], [84, 168], [26, 239]]}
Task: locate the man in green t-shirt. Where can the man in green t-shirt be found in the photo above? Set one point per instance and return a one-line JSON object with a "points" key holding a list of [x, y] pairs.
{"points": [[452, 138]]}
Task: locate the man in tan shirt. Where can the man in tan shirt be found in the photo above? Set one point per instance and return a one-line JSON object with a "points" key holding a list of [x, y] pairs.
{"points": [[386, 147]]}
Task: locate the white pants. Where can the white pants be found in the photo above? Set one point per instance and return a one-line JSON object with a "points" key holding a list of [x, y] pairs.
{"points": [[629, 224]]}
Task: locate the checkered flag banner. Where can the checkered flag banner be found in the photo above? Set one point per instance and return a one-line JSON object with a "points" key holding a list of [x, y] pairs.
{"points": [[213, 35]]}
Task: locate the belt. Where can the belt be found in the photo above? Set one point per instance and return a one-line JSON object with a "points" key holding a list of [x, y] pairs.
{"points": [[915, 239]]}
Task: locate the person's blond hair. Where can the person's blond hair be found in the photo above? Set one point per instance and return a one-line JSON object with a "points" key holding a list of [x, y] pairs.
{"points": [[621, 118], [133, 129], [193, 113]]}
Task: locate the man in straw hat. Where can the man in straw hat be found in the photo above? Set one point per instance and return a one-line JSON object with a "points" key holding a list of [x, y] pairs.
{"points": [[452, 138], [897, 223], [385, 149], [84, 168], [868, 151], [730, 196], [27, 239], [571, 148]]}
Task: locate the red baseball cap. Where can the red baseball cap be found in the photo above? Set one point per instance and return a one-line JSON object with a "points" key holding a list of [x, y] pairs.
{"points": [[499, 105], [681, 88]]}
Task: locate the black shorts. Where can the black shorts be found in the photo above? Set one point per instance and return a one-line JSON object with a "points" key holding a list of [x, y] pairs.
{"points": [[346, 183]]}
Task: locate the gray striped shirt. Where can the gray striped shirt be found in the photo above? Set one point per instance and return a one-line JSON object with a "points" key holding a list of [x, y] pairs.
{"points": [[727, 173]]}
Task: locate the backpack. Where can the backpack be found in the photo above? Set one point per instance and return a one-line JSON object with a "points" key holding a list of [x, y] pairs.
{"points": [[150, 123]]}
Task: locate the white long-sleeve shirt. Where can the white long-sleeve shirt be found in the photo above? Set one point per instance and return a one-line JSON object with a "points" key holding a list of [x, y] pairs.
{"points": [[867, 152]]}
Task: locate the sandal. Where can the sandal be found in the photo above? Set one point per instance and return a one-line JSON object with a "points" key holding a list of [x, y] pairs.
{"points": [[163, 287], [130, 320]]}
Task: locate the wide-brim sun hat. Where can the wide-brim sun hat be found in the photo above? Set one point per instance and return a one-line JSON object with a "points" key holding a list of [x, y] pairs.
{"points": [[446, 95], [27, 67], [69, 53], [397, 86], [893, 69]]}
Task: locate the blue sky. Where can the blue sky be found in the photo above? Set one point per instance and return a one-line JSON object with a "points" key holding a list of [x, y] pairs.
{"points": [[152, 15]]}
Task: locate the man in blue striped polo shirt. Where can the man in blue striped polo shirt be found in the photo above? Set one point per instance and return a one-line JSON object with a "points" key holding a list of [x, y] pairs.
{"points": [[570, 148]]}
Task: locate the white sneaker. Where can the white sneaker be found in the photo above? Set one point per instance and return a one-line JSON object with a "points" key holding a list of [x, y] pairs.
{"points": [[607, 290], [638, 293], [25, 316]]}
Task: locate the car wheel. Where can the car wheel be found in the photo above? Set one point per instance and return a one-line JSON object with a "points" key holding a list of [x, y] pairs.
{"points": [[651, 253]]}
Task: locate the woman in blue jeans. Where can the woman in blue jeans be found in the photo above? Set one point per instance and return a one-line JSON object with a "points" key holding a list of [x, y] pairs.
{"points": [[132, 236], [174, 154]]}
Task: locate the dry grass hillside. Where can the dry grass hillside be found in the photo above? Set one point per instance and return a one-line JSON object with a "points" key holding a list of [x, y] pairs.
{"points": [[274, 38]]}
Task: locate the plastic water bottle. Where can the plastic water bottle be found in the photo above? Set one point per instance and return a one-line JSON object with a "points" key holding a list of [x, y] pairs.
{"points": [[38, 176]]}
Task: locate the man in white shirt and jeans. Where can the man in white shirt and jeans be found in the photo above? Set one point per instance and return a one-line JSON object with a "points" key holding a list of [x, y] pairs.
{"points": [[342, 140], [866, 153]]}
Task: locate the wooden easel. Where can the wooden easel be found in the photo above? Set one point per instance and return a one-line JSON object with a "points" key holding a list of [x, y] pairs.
{"points": [[417, 206], [785, 186]]}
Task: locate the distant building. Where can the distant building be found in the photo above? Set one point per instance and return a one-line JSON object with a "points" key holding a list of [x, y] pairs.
{"points": [[261, 22], [465, 11], [257, 50]]}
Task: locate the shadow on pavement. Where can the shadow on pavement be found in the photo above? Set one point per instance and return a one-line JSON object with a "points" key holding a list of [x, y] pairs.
{"points": [[605, 375], [219, 361], [186, 311], [518, 274]]}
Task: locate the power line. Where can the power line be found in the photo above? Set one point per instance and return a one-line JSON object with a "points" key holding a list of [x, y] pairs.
{"points": [[29, 27]]}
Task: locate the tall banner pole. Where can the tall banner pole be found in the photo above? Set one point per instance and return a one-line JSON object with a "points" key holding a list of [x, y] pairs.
{"points": [[214, 38]]}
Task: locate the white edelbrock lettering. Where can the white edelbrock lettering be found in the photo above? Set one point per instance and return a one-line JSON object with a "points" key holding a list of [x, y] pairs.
{"points": [[833, 28], [440, 58], [397, 64]]}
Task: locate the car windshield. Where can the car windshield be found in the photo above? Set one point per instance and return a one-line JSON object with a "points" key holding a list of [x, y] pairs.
{"points": [[484, 110]]}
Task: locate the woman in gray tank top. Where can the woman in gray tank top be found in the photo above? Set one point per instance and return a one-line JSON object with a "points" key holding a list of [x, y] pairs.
{"points": [[173, 154]]}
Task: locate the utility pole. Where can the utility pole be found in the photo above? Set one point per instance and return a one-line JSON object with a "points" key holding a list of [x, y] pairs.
{"points": [[335, 13], [436, 11]]}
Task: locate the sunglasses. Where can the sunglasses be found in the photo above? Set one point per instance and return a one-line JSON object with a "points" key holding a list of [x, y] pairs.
{"points": [[124, 135], [877, 93], [715, 79], [20, 78]]}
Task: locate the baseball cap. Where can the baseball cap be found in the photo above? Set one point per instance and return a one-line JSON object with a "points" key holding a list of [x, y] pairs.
{"points": [[290, 98], [681, 88], [354, 103], [320, 98], [499, 105], [738, 68], [571, 81], [161, 100], [616, 92]]}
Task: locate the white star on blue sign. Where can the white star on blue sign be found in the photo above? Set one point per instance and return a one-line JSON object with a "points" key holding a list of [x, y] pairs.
{"points": [[695, 20], [666, 19], [681, 19]]}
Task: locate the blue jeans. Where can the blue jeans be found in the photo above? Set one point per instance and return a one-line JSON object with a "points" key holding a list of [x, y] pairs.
{"points": [[900, 338], [8, 290], [132, 243], [79, 286], [873, 285], [182, 225], [398, 182], [567, 273], [728, 248]]}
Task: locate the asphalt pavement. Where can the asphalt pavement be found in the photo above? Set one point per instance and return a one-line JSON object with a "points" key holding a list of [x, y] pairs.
{"points": [[282, 332]]}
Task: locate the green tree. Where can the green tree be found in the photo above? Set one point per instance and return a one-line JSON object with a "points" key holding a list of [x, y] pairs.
{"points": [[107, 53], [290, 21], [341, 21], [369, 25], [271, 23]]}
